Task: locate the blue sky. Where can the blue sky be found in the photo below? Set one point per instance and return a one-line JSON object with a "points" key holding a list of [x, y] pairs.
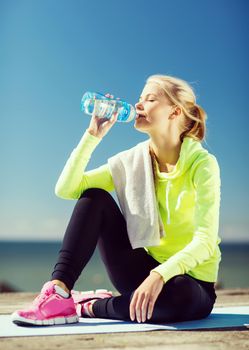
{"points": [[54, 51]]}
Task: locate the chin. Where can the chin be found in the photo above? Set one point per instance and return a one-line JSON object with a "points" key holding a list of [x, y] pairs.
{"points": [[141, 128]]}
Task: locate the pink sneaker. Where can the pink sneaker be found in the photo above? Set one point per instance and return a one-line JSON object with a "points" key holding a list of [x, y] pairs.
{"points": [[82, 300], [48, 308]]}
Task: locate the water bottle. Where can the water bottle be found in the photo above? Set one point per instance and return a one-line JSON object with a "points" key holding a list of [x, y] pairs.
{"points": [[105, 106]]}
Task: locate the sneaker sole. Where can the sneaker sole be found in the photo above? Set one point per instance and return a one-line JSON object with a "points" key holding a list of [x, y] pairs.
{"points": [[19, 320]]}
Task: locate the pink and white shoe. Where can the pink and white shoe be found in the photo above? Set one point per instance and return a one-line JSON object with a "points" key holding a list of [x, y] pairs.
{"points": [[84, 299], [52, 306]]}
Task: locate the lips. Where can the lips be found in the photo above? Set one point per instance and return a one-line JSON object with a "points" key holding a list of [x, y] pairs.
{"points": [[140, 116]]}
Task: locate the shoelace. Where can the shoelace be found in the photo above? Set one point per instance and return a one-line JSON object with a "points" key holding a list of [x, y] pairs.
{"points": [[40, 297]]}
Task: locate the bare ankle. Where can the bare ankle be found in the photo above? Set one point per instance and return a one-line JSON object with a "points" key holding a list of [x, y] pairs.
{"points": [[62, 285], [91, 308]]}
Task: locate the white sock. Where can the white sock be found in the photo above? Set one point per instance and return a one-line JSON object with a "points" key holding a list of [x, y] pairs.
{"points": [[61, 291]]}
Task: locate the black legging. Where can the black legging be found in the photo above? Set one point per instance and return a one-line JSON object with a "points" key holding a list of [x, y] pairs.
{"points": [[97, 221]]}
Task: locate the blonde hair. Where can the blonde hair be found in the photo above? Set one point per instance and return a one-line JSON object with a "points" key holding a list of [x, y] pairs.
{"points": [[180, 93]]}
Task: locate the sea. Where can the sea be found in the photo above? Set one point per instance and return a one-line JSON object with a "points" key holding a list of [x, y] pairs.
{"points": [[26, 266]]}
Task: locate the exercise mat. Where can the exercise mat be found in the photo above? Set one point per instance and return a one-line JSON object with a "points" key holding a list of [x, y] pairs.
{"points": [[220, 317]]}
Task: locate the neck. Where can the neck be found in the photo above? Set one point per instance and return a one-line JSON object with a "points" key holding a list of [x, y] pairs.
{"points": [[166, 149]]}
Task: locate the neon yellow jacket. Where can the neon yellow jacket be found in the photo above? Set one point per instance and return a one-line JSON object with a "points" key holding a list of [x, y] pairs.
{"points": [[188, 199]]}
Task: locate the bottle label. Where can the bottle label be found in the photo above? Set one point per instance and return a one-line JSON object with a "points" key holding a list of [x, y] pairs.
{"points": [[104, 109]]}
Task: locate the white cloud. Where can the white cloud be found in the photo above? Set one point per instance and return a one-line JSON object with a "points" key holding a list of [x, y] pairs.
{"points": [[54, 227], [34, 229], [234, 232]]}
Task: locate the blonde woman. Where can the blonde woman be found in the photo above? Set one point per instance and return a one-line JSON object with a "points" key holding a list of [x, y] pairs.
{"points": [[170, 282]]}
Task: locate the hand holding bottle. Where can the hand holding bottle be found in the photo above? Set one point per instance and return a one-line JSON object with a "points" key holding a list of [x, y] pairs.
{"points": [[99, 127]]}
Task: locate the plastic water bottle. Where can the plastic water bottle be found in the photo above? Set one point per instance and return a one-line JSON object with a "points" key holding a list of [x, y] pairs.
{"points": [[105, 107]]}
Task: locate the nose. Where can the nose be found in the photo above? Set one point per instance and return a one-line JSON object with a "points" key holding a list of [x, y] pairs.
{"points": [[138, 105]]}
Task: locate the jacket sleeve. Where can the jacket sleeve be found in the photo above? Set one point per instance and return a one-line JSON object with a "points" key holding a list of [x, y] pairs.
{"points": [[74, 180], [206, 180]]}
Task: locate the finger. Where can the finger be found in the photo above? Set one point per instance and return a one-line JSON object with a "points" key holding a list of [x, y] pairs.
{"points": [[109, 95], [114, 117], [144, 308], [150, 308], [138, 307], [132, 307]]}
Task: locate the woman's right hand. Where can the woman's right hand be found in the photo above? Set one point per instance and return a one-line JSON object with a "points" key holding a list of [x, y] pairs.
{"points": [[99, 127]]}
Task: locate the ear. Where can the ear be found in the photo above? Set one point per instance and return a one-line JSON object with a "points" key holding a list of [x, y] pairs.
{"points": [[176, 111]]}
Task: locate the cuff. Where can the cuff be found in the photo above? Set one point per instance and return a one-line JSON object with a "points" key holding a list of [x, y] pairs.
{"points": [[87, 143], [167, 271]]}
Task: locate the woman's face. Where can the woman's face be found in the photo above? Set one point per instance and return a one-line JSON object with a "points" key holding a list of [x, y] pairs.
{"points": [[154, 108]]}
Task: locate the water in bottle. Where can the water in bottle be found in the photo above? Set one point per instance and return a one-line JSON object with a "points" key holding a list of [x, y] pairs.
{"points": [[105, 107]]}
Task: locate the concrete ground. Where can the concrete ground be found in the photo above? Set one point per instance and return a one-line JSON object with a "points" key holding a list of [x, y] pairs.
{"points": [[235, 339]]}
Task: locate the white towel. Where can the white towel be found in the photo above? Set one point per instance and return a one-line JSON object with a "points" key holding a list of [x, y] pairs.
{"points": [[132, 175]]}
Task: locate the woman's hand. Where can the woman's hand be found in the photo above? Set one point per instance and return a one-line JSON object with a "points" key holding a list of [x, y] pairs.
{"points": [[145, 296], [100, 126]]}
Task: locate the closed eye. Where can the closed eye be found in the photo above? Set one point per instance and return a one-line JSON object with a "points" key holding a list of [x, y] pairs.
{"points": [[147, 100]]}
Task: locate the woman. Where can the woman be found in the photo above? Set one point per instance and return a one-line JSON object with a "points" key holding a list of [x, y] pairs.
{"points": [[170, 282]]}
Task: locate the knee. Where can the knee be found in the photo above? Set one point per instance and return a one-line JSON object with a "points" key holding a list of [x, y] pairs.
{"points": [[95, 192], [182, 288], [97, 197], [177, 300]]}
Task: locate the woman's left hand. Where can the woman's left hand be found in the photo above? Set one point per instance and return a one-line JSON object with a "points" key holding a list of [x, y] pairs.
{"points": [[145, 296]]}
